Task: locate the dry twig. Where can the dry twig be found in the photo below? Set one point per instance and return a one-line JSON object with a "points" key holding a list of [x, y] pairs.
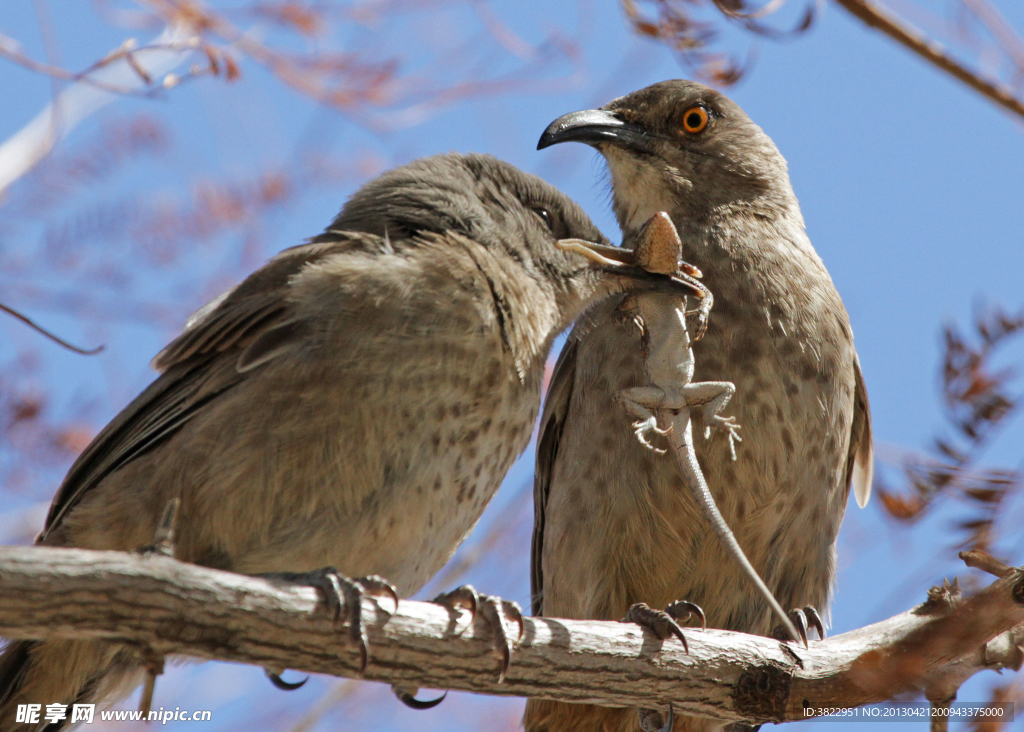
{"points": [[677, 24], [43, 331], [978, 403]]}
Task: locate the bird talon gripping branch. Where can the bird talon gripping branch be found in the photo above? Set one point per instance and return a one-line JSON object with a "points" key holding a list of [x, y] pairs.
{"points": [[494, 611], [659, 622], [340, 594], [407, 695]]}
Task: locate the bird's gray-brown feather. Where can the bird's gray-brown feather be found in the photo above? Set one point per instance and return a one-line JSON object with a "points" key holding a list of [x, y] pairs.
{"points": [[556, 409], [237, 319]]}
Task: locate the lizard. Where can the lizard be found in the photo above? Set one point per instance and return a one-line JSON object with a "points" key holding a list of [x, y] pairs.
{"points": [[671, 394]]}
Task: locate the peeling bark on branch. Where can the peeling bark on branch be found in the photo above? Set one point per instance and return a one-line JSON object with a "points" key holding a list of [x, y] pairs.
{"points": [[173, 607]]}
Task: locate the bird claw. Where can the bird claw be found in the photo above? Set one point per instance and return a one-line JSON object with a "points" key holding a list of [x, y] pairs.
{"points": [[276, 680], [677, 609], [729, 427], [493, 610], [340, 592], [650, 720], [465, 596], [663, 622], [408, 698], [803, 619], [671, 721], [807, 618], [642, 428]]}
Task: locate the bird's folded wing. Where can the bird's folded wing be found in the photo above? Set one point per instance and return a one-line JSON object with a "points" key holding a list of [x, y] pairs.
{"points": [[199, 366], [552, 425], [237, 318], [157, 413]]}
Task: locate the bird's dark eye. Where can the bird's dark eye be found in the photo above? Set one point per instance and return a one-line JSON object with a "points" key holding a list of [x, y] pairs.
{"points": [[695, 119], [545, 216]]}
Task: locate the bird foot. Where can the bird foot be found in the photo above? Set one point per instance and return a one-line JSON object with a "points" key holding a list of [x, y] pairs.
{"points": [[407, 695], [464, 597], [803, 619], [340, 592], [663, 623], [494, 611], [651, 720], [275, 678]]}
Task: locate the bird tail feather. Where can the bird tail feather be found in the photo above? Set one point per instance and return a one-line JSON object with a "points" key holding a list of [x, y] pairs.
{"points": [[63, 672]]}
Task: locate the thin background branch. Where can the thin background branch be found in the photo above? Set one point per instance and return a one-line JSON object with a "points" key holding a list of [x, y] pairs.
{"points": [[686, 27]]}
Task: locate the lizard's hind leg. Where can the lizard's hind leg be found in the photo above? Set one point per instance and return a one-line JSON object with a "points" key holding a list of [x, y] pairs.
{"points": [[639, 402], [711, 397]]}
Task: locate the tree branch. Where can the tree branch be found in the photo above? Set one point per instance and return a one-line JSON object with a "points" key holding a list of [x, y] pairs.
{"points": [[165, 606], [44, 332], [875, 16]]}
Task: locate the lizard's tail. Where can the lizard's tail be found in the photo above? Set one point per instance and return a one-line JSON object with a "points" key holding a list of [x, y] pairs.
{"points": [[682, 446]]}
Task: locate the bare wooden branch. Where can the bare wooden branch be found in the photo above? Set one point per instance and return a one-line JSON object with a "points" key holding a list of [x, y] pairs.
{"points": [[986, 562], [875, 16], [42, 331], [167, 606]]}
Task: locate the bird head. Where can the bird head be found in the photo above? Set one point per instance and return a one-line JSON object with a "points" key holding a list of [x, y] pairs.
{"points": [[681, 147], [525, 221]]}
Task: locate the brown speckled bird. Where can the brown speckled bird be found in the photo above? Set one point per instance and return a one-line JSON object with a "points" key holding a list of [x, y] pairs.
{"points": [[354, 404], [614, 524]]}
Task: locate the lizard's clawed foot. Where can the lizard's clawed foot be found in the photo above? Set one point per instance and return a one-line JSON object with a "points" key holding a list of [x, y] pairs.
{"points": [[703, 312], [663, 622], [340, 592], [651, 721], [494, 610], [645, 427], [407, 696], [803, 619], [729, 427]]}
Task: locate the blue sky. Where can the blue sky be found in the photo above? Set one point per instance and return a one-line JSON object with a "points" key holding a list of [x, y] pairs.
{"points": [[911, 185]]}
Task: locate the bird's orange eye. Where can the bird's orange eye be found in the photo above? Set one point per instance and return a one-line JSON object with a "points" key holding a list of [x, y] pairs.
{"points": [[695, 119]]}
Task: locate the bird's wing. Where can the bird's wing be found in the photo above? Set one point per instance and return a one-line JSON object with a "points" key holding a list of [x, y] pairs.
{"points": [[241, 315], [556, 411], [249, 325], [861, 461]]}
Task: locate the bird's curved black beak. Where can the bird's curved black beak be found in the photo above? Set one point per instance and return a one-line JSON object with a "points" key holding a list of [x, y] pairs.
{"points": [[594, 126]]}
